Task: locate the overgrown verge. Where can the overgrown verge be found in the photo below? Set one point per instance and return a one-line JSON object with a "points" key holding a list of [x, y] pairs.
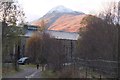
{"points": [[7, 69], [49, 74], [67, 72]]}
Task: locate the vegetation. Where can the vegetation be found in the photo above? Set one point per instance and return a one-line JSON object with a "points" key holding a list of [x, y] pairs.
{"points": [[40, 49], [49, 74], [10, 15], [9, 70], [67, 72], [98, 39]]}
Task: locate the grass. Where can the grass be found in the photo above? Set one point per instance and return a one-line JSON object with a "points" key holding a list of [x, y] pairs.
{"points": [[91, 73], [27, 66], [7, 69], [30, 65], [69, 73], [7, 72], [48, 74], [66, 72]]}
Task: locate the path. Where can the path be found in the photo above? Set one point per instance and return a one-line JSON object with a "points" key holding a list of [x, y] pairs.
{"points": [[27, 72]]}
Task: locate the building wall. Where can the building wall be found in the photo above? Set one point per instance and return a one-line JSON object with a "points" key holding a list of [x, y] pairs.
{"points": [[28, 30], [70, 48], [68, 39]]}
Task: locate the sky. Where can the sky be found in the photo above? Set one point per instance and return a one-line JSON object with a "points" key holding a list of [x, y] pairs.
{"points": [[34, 9]]}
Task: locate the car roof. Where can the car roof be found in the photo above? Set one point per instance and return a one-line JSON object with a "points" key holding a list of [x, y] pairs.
{"points": [[23, 58]]}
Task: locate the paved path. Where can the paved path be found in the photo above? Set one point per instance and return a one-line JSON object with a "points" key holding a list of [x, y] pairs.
{"points": [[27, 72]]}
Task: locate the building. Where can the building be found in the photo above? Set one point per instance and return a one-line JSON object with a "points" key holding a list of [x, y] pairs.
{"points": [[28, 31], [67, 38]]}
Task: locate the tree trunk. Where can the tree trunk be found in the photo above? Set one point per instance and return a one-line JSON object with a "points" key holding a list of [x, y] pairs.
{"points": [[15, 64]]}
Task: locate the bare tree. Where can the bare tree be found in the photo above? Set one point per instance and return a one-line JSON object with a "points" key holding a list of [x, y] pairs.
{"points": [[33, 47], [98, 39], [44, 49], [10, 14], [111, 15], [42, 26], [56, 55]]}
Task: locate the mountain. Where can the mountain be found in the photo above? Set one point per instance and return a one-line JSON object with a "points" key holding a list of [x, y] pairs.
{"points": [[61, 9], [68, 23], [54, 14]]}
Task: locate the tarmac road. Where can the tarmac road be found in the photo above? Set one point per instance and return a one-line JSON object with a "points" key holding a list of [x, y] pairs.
{"points": [[26, 73]]}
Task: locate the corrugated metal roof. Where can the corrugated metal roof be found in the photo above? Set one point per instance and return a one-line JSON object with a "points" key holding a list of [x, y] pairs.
{"points": [[58, 34], [63, 35]]}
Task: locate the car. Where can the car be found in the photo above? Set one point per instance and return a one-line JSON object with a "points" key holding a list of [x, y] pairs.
{"points": [[23, 60]]}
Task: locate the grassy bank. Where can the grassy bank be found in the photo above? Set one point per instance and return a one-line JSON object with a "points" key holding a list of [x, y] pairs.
{"points": [[49, 74], [27, 66], [8, 69], [66, 72], [73, 73]]}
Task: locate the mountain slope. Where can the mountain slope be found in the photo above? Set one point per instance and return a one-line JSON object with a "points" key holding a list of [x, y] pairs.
{"points": [[67, 23], [54, 14]]}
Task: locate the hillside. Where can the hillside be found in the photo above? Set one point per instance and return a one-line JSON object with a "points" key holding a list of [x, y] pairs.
{"points": [[55, 15], [67, 23]]}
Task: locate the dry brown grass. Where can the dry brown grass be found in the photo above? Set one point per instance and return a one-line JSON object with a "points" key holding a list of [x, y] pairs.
{"points": [[69, 23]]}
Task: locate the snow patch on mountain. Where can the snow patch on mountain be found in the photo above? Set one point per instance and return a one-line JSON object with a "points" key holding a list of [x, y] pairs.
{"points": [[61, 9]]}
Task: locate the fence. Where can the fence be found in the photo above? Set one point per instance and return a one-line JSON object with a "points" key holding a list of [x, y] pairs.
{"points": [[101, 66]]}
